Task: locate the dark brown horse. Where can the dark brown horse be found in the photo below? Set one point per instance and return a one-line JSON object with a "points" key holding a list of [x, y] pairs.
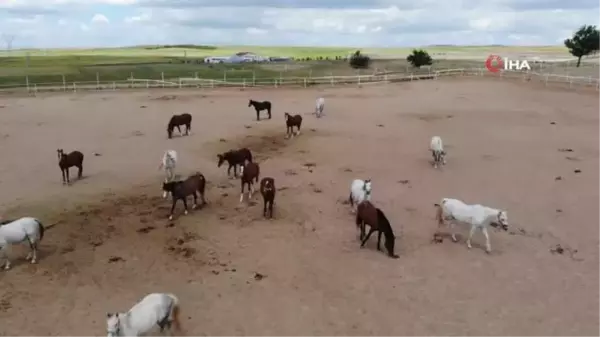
{"points": [[260, 106], [250, 172], [267, 189], [368, 214], [291, 121], [176, 121], [234, 158], [180, 190], [65, 161]]}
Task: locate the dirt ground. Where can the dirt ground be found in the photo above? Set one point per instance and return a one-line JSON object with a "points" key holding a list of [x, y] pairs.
{"points": [[112, 243]]}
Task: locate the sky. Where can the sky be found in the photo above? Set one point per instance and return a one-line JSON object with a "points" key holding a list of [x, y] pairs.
{"points": [[359, 23]]}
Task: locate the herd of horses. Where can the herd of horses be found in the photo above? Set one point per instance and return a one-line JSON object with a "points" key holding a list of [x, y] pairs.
{"points": [[161, 309]]}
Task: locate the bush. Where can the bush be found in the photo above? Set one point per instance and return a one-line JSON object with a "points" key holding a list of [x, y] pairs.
{"points": [[359, 61], [419, 58]]}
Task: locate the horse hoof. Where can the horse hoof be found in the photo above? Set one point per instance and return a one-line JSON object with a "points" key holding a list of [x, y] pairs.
{"points": [[185, 212], [33, 261], [170, 217]]}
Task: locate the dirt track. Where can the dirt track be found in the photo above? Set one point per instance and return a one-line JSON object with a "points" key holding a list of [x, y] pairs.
{"points": [[502, 149]]}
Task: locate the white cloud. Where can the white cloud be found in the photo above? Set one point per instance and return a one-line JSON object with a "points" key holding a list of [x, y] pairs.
{"points": [[99, 18], [291, 22]]}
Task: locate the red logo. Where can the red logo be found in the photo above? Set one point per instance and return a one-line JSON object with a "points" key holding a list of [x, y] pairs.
{"points": [[489, 63]]}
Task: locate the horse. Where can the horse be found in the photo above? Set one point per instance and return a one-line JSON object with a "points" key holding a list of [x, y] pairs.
{"points": [[17, 231], [320, 105], [249, 172], [180, 190], [168, 162], [359, 190], [267, 189], [66, 161], [156, 309], [291, 121], [234, 158], [368, 214], [176, 121], [260, 106]]}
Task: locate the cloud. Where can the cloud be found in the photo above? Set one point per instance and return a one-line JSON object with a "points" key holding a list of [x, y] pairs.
{"points": [[99, 18], [376, 23]]}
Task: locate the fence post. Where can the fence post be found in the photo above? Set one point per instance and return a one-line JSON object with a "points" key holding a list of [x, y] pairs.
{"points": [[358, 80], [212, 83], [244, 83], [97, 80], [131, 80], [411, 77], [27, 82], [147, 84], [180, 83], [196, 75], [34, 89], [275, 82], [331, 78], [162, 78], [253, 78], [64, 83], [225, 76], [305, 82], [546, 79], [114, 86], [74, 87]]}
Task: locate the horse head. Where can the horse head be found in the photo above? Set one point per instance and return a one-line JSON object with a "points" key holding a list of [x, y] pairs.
{"points": [[367, 187], [503, 220], [113, 325], [221, 158], [60, 154], [250, 102], [286, 116]]}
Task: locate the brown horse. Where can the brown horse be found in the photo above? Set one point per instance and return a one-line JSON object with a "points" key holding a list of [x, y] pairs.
{"points": [[250, 172], [260, 106], [368, 214], [267, 189], [234, 158], [176, 121], [180, 190], [290, 122], [66, 161]]}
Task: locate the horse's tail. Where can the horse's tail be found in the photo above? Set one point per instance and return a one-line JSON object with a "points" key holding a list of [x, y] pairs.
{"points": [[41, 229], [175, 312], [438, 214]]}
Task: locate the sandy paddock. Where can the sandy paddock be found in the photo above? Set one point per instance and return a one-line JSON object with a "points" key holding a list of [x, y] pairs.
{"points": [[112, 242]]}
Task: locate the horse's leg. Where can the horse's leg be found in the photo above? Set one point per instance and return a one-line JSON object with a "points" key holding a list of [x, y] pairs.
{"points": [[172, 208], [185, 208], [488, 246], [68, 180], [362, 244], [451, 226], [229, 171], [242, 194], [269, 111], [271, 208], [195, 200], [4, 251], [257, 114], [187, 129], [63, 176], [179, 129], [251, 188], [378, 240], [80, 172], [471, 232], [297, 134], [265, 207]]}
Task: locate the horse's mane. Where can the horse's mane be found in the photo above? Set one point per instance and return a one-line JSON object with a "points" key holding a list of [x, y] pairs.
{"points": [[4, 222], [381, 217]]}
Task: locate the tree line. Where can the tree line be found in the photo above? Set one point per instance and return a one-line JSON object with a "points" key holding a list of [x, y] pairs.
{"points": [[585, 41]]}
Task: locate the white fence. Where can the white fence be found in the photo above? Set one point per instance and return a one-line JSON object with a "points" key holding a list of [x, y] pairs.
{"points": [[300, 82]]}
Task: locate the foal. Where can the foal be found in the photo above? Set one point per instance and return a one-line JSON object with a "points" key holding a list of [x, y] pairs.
{"points": [[176, 121], [260, 106], [66, 161], [290, 122], [156, 309], [235, 158], [368, 214], [249, 172], [180, 190], [267, 189], [168, 162]]}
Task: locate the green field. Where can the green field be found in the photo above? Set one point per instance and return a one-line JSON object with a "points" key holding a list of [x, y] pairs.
{"points": [[151, 62]]}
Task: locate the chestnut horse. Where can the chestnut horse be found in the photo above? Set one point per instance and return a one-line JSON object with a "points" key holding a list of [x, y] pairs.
{"points": [[66, 161], [368, 214]]}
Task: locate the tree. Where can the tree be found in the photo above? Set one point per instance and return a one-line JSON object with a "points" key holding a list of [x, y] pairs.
{"points": [[359, 61], [419, 58], [584, 42]]}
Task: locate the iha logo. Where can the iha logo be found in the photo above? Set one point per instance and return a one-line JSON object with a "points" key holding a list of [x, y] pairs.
{"points": [[495, 63]]}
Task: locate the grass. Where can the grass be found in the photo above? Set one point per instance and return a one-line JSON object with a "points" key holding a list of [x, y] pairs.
{"points": [[154, 62]]}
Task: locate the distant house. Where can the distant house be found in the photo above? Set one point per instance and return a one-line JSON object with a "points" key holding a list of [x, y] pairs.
{"points": [[216, 59], [242, 57]]}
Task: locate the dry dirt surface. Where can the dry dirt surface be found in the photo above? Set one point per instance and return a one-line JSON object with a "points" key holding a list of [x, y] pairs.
{"points": [[303, 273]]}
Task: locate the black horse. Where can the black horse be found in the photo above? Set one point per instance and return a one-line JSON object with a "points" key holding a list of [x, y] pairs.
{"points": [[177, 120], [260, 106], [180, 190], [65, 161], [234, 158]]}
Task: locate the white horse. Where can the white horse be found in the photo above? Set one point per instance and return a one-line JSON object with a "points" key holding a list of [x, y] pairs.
{"points": [[17, 231], [359, 190], [168, 163], [437, 150], [476, 216], [319, 106], [156, 309]]}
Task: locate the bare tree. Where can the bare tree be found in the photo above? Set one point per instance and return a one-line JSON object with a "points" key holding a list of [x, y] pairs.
{"points": [[8, 40]]}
